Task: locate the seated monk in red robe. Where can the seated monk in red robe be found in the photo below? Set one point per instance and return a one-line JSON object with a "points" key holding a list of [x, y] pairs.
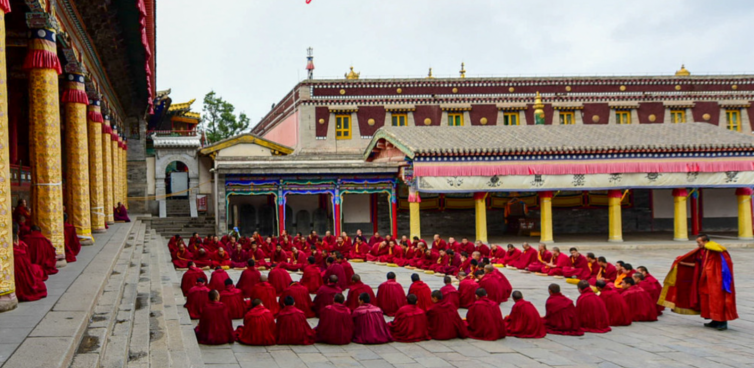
{"points": [[279, 279], [312, 277], [202, 259], [221, 258], [239, 257], [249, 277], [606, 272], [390, 295], [528, 256], [197, 298], [377, 251], [443, 319], [217, 279], [233, 298], [484, 319], [450, 294], [561, 317], [639, 302], [410, 323], [335, 323], [524, 321], [215, 326], [28, 276], [326, 294], [543, 258], [467, 290], [72, 243], [41, 251], [359, 250], [579, 267], [617, 309], [592, 312], [266, 293], [188, 280], [394, 252], [369, 325], [258, 327], [557, 264], [292, 326], [512, 255], [300, 296], [422, 292], [121, 213], [357, 288], [296, 262]]}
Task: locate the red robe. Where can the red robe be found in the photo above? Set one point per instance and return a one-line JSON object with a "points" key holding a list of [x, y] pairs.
{"points": [[279, 279], [249, 277], [325, 296], [640, 303], [467, 292], [592, 312], [512, 256], [527, 257], [72, 243], [579, 268], [561, 317], [617, 309], [485, 320], [352, 302], [524, 321], [196, 299], [217, 280], [41, 252], [335, 325], [410, 324], [300, 296], [423, 293], [390, 297], [293, 328], [312, 278], [215, 326], [369, 325], [233, 298], [188, 280], [337, 270], [445, 323], [28, 276], [258, 328], [451, 295], [266, 293]]}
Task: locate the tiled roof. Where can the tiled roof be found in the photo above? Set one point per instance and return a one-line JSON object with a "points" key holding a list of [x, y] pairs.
{"points": [[553, 139]]}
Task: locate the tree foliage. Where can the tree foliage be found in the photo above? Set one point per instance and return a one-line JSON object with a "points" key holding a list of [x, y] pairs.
{"points": [[219, 120]]}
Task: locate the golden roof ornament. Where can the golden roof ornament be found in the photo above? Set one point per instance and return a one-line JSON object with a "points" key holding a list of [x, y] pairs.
{"points": [[463, 71], [429, 76], [683, 72], [352, 74]]}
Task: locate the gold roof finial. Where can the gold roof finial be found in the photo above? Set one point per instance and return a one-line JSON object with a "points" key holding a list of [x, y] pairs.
{"points": [[463, 70], [683, 72], [429, 76], [352, 74]]}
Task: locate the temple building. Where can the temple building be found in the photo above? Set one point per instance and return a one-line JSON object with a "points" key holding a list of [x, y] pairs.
{"points": [[481, 157], [77, 82]]}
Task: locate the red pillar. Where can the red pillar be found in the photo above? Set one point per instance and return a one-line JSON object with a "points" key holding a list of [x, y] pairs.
{"points": [[394, 215], [695, 220]]}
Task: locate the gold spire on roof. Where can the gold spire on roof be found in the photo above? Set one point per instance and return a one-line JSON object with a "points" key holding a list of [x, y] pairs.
{"points": [[352, 74], [463, 70], [683, 72], [429, 76]]}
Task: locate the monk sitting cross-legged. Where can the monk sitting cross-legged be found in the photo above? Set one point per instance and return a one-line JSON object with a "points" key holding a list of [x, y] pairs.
{"points": [[292, 326], [593, 315], [410, 323], [369, 325], [197, 298], [335, 323], [215, 326], [266, 293], [312, 277], [301, 296], [420, 289], [258, 326], [390, 295], [326, 294], [617, 309], [524, 321], [443, 319], [484, 319], [356, 289], [561, 318]]}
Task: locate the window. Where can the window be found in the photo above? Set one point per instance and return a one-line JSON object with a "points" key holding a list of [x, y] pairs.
{"points": [[623, 117], [510, 118], [567, 118], [342, 126], [455, 119], [400, 119], [678, 116], [734, 120]]}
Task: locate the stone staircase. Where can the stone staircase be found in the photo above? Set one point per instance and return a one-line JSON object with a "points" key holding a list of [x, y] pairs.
{"points": [[178, 207], [185, 226]]}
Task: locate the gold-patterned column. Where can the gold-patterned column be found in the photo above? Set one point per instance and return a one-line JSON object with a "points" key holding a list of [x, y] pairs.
{"points": [[8, 298], [107, 167], [77, 157], [44, 118], [96, 187]]}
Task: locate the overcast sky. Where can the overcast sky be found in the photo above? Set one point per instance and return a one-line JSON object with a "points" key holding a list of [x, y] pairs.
{"points": [[252, 52]]}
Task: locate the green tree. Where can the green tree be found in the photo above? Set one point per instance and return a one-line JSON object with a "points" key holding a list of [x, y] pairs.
{"points": [[219, 120]]}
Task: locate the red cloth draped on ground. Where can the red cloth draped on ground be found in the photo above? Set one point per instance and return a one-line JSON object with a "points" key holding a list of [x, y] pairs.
{"points": [[561, 317], [233, 298], [312, 278], [220, 259], [297, 262], [325, 296], [337, 270], [592, 312], [279, 279], [579, 268], [292, 328], [607, 273], [266, 293], [451, 296], [524, 321], [485, 321], [196, 299], [41, 252], [561, 261], [528, 257], [617, 309], [335, 325], [347, 270], [467, 292], [393, 253], [423, 293], [188, 280], [445, 323], [369, 325], [494, 288], [543, 258], [238, 258], [353, 294], [72, 243], [300, 295], [249, 277], [640, 303], [121, 214], [258, 327], [217, 280], [512, 256], [410, 324], [28, 276], [215, 326], [359, 251], [377, 251], [390, 297]]}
